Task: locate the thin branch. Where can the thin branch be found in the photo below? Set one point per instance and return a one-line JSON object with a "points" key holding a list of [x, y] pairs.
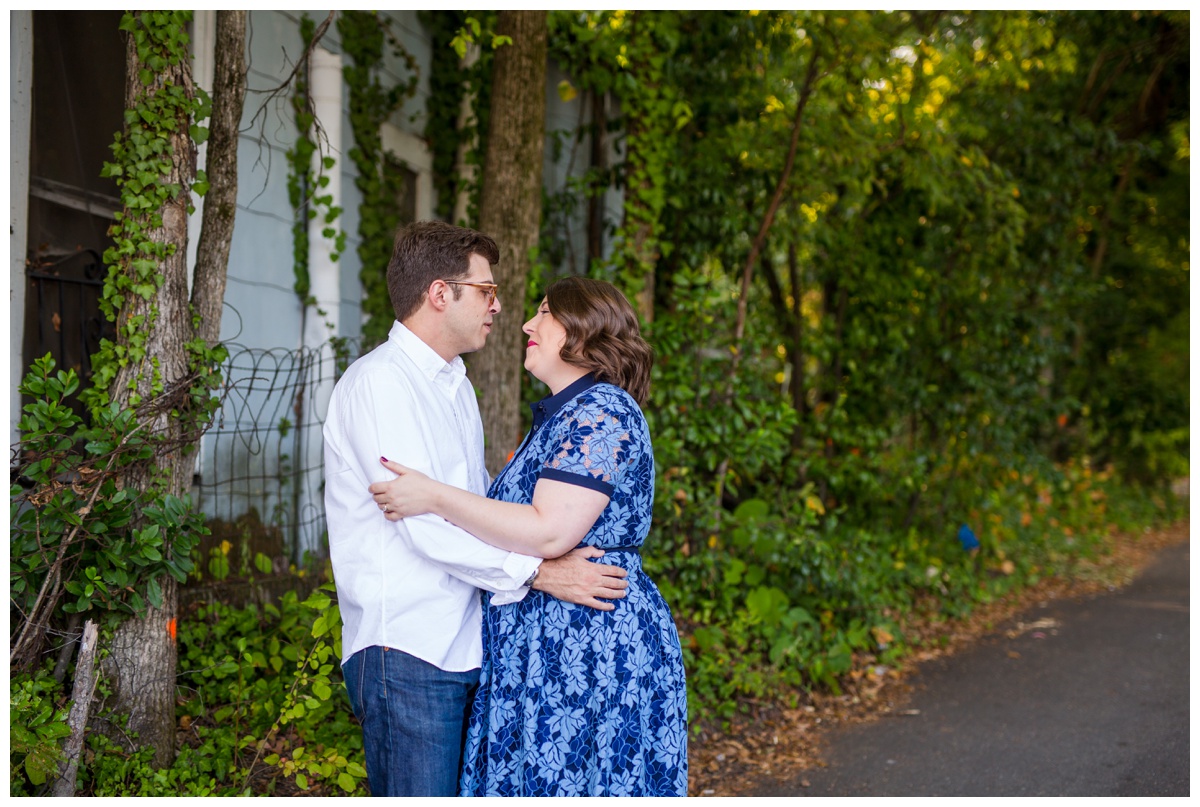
{"points": [[220, 209], [275, 92], [1094, 105], [33, 627], [289, 698], [81, 701], [1093, 74], [810, 79], [760, 240]]}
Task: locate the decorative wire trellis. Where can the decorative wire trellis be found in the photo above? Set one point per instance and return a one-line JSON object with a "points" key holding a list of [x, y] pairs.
{"points": [[264, 451]]}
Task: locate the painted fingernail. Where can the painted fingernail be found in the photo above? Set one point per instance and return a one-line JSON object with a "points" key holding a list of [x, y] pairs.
{"points": [[383, 459]]}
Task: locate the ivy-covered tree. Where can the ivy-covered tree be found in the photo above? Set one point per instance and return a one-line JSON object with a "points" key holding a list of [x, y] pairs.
{"points": [[113, 544], [510, 210], [164, 352]]}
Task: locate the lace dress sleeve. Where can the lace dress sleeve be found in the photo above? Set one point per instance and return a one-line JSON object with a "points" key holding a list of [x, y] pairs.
{"points": [[591, 447]]}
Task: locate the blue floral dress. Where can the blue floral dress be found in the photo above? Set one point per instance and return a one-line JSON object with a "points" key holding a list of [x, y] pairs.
{"points": [[573, 701]]}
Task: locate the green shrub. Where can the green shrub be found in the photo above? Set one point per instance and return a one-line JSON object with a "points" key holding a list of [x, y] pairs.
{"points": [[37, 724], [261, 705]]}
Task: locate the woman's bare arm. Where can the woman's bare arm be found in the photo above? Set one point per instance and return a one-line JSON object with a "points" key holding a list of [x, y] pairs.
{"points": [[559, 517]]}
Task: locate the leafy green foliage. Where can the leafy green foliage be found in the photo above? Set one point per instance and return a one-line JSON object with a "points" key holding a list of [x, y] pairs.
{"points": [[451, 79], [262, 708], [364, 37], [75, 526], [78, 528], [976, 267], [36, 726], [629, 54]]}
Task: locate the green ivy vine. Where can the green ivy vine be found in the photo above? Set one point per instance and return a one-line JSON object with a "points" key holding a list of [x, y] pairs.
{"points": [[626, 53], [307, 191], [141, 168], [449, 82], [654, 111], [364, 37]]}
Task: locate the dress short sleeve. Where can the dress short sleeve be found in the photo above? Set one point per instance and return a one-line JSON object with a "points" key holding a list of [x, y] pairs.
{"points": [[592, 443]]}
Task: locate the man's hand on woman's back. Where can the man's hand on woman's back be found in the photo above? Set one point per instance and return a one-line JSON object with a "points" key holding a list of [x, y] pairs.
{"points": [[574, 578]]}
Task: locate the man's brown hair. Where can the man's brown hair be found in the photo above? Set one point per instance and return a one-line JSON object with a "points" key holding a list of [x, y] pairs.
{"points": [[426, 251], [603, 335]]}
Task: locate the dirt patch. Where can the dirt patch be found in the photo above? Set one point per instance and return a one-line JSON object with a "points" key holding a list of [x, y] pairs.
{"points": [[773, 741]]}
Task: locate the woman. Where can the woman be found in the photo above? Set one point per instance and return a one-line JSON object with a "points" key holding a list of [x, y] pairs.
{"points": [[572, 700]]}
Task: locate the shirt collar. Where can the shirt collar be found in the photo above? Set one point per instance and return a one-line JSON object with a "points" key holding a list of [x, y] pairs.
{"points": [[552, 403], [445, 374]]}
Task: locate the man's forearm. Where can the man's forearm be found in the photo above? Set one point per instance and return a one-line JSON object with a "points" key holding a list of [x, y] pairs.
{"points": [[462, 555]]}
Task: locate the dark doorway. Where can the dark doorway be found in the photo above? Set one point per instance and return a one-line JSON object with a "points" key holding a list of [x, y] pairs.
{"points": [[78, 103]]}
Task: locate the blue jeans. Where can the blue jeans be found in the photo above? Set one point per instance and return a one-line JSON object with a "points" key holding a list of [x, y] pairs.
{"points": [[414, 720]]}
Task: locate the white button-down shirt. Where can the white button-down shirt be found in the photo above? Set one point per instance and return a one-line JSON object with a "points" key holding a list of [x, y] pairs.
{"points": [[412, 584]]}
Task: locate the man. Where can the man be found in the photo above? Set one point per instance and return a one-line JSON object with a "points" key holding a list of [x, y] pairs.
{"points": [[408, 590]]}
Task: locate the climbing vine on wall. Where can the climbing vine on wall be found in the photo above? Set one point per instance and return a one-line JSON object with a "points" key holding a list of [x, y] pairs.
{"points": [[300, 172], [364, 40], [449, 81], [305, 183], [307, 186], [627, 54], [654, 111]]}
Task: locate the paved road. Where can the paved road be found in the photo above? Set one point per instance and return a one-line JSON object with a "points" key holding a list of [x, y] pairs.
{"points": [[1094, 701]]}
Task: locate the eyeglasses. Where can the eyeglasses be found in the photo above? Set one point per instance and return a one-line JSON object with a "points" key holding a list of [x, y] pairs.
{"points": [[491, 288]]}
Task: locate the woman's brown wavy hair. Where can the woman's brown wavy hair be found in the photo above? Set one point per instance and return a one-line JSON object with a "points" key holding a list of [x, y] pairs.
{"points": [[603, 335]]}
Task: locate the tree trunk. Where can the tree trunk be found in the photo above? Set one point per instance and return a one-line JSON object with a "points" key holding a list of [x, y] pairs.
{"points": [[510, 210], [142, 662], [216, 234]]}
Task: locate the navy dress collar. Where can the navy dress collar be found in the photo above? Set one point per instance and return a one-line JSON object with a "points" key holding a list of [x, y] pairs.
{"points": [[547, 406]]}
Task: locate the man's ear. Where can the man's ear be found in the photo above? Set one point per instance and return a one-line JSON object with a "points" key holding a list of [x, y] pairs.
{"points": [[438, 294]]}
